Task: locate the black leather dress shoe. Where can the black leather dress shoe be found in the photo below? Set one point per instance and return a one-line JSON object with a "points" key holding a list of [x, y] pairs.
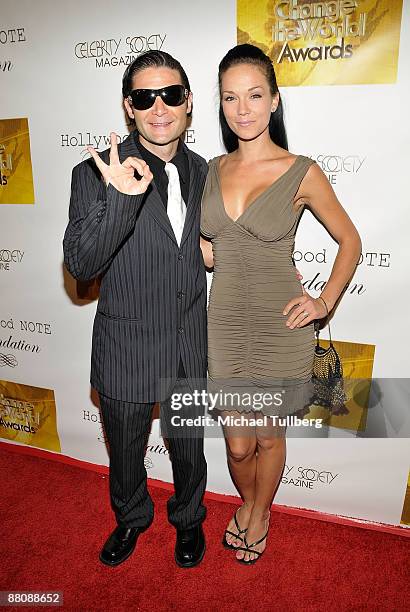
{"points": [[190, 546], [119, 545]]}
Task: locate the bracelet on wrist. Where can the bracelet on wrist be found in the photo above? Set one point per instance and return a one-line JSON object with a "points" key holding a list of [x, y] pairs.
{"points": [[327, 310]]}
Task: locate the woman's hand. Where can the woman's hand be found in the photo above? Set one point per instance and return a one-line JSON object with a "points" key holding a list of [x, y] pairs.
{"points": [[122, 175], [304, 309], [207, 253], [299, 276]]}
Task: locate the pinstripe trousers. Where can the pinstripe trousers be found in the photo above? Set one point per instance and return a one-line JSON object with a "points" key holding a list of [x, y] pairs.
{"points": [[127, 427]]}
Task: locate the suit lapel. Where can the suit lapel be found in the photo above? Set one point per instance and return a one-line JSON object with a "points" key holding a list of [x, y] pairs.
{"points": [[153, 202], [156, 208]]}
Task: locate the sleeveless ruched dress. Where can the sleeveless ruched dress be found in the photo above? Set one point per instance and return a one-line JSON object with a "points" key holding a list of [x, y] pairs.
{"points": [[250, 348]]}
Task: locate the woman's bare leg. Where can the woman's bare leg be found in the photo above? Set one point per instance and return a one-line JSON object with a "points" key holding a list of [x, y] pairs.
{"points": [[270, 459], [241, 448]]}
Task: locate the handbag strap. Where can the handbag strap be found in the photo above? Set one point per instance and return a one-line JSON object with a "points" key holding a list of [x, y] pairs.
{"points": [[317, 330]]}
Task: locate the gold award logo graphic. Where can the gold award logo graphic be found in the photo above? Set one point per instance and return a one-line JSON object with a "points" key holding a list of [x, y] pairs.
{"points": [[344, 42], [28, 415], [16, 174], [405, 516]]}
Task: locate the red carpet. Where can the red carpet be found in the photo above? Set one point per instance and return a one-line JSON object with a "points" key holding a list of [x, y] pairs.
{"points": [[55, 518]]}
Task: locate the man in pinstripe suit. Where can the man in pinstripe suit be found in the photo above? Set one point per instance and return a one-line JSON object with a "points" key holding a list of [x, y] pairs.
{"points": [[150, 323]]}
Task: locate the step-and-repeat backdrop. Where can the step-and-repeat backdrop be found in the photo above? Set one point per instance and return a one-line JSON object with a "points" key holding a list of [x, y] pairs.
{"points": [[344, 72]]}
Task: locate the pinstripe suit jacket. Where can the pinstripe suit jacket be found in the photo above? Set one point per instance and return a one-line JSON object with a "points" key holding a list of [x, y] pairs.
{"points": [[152, 305]]}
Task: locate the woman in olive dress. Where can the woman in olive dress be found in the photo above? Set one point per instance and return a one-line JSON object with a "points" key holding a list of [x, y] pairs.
{"points": [[260, 320]]}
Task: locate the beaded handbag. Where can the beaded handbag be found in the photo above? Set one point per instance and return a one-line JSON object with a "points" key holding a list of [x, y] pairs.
{"points": [[327, 377]]}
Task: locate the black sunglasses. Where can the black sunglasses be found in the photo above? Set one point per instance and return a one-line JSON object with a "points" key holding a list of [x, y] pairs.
{"points": [[174, 95]]}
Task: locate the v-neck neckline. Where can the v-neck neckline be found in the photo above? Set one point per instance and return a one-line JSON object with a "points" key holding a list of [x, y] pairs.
{"points": [[255, 200]]}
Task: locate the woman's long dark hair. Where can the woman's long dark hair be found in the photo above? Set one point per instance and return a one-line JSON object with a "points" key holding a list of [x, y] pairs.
{"points": [[249, 54]]}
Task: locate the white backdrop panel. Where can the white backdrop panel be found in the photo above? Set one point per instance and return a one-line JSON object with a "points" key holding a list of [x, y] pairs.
{"points": [[69, 102]]}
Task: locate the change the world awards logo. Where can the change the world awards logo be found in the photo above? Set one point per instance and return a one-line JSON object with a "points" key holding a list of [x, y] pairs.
{"points": [[16, 174], [28, 415], [325, 43]]}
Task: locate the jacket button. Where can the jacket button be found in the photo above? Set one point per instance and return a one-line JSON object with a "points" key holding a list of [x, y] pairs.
{"points": [[180, 256], [181, 330]]}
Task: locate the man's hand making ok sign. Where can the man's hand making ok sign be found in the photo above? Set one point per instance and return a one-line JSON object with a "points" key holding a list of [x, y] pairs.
{"points": [[122, 175]]}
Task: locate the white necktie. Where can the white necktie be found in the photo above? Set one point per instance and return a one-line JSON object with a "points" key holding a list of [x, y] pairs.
{"points": [[176, 207]]}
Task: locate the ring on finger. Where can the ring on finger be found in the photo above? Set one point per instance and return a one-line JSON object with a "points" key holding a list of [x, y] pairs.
{"points": [[305, 314]]}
